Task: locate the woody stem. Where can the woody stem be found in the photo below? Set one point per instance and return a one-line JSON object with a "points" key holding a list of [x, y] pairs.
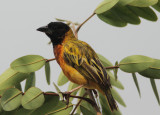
{"points": [[78, 28], [48, 60], [78, 104], [75, 89], [112, 67], [73, 96]]}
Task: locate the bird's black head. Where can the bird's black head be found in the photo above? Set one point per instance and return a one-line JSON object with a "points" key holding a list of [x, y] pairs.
{"points": [[55, 31]]}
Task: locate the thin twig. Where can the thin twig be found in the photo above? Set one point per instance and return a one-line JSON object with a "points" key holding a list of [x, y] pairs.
{"points": [[92, 98], [66, 94], [112, 67], [48, 60], [53, 94], [80, 86], [78, 104], [73, 96], [78, 28]]}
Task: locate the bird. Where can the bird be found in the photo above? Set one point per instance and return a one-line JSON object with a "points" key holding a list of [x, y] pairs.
{"points": [[78, 61]]}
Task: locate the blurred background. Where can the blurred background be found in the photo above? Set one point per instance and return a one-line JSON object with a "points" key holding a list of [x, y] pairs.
{"points": [[18, 37]]}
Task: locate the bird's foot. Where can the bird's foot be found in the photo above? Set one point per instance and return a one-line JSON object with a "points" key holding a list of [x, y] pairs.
{"points": [[66, 96]]}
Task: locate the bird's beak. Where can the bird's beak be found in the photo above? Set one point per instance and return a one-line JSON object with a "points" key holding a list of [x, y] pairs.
{"points": [[43, 29]]}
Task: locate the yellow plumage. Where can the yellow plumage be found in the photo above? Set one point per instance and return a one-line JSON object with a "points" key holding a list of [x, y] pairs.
{"points": [[78, 60], [81, 65]]}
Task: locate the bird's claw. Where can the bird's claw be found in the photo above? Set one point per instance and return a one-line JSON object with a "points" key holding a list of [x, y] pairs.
{"points": [[66, 96]]}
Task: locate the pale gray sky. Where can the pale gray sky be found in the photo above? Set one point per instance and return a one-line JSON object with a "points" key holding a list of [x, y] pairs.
{"points": [[18, 37]]}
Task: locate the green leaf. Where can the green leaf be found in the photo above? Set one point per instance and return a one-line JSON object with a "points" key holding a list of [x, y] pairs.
{"points": [[8, 112], [11, 99], [29, 63], [105, 108], [157, 6], [116, 70], [86, 111], [111, 17], [154, 87], [136, 83], [105, 61], [125, 2], [0, 106], [61, 109], [30, 81], [18, 86], [88, 106], [77, 114], [33, 98], [72, 86], [143, 3], [62, 79], [58, 91], [115, 82], [49, 105], [117, 97], [135, 63], [47, 72], [105, 6], [126, 14], [81, 93], [144, 12], [10, 78], [2, 91], [22, 111], [104, 105], [153, 71], [56, 87]]}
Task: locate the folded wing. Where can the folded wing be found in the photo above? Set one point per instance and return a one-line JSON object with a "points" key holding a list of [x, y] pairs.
{"points": [[83, 58]]}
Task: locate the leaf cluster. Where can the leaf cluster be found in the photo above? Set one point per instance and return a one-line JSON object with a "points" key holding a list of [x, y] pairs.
{"points": [[119, 13], [13, 99]]}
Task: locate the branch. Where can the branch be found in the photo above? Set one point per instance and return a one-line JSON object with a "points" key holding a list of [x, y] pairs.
{"points": [[78, 104], [73, 96], [48, 60], [78, 28], [53, 94], [112, 67]]}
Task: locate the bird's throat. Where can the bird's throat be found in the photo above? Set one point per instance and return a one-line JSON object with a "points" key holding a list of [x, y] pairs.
{"points": [[57, 40]]}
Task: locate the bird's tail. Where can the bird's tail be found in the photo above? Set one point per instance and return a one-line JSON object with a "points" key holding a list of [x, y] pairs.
{"points": [[112, 103]]}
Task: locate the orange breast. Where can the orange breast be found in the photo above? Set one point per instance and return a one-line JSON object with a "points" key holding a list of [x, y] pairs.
{"points": [[72, 74]]}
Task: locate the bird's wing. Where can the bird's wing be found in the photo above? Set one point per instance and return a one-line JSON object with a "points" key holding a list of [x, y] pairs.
{"points": [[83, 58]]}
